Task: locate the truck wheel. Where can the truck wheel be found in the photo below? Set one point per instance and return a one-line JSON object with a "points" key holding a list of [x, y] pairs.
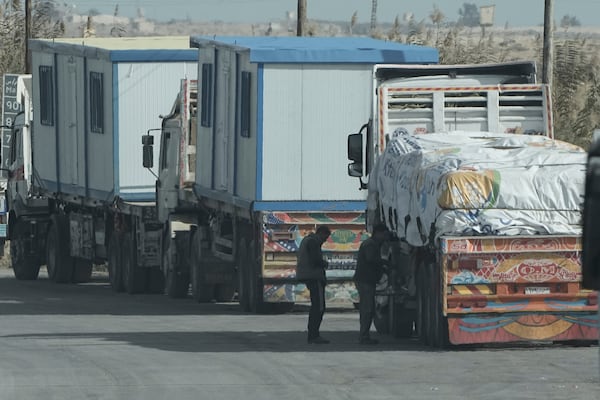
{"points": [[115, 272], [243, 276], [439, 336], [202, 292], [155, 281], [224, 293], [381, 319], [255, 285], [134, 277], [403, 322], [82, 270], [423, 317], [59, 262], [25, 267], [177, 280]]}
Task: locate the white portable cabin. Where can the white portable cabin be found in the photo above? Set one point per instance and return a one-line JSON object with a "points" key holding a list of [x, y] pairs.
{"points": [[93, 99], [274, 114]]}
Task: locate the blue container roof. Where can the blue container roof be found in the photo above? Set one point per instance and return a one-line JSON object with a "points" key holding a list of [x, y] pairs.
{"points": [[293, 49], [126, 49]]}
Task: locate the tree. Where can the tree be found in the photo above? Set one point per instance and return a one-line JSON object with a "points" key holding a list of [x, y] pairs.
{"points": [[469, 15], [568, 21], [44, 24]]}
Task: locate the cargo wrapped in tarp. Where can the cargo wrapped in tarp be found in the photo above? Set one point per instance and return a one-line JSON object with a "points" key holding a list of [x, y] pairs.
{"points": [[479, 183]]}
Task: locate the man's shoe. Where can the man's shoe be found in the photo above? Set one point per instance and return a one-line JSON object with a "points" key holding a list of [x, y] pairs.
{"points": [[368, 341], [318, 340]]}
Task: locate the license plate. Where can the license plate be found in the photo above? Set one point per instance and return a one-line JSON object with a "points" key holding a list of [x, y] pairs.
{"points": [[537, 290]]}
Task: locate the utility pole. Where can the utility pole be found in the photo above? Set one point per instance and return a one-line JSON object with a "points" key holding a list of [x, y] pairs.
{"points": [[373, 15], [27, 36], [301, 29], [548, 45]]}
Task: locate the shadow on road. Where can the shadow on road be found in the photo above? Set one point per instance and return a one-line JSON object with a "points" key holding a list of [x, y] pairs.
{"points": [[97, 298], [231, 342]]}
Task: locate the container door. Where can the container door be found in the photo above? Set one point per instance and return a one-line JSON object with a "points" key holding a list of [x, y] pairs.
{"points": [[223, 126], [72, 106]]}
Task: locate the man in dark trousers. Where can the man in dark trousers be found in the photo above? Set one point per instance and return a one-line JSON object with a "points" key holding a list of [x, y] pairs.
{"points": [[311, 271], [369, 269]]}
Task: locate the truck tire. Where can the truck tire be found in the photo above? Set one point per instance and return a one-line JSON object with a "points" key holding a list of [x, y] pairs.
{"points": [[82, 270], [134, 277], [59, 262], [155, 281], [255, 284], [243, 275], [439, 323], [115, 270], [25, 267], [404, 319], [177, 281], [423, 305], [224, 293], [202, 291], [381, 319]]}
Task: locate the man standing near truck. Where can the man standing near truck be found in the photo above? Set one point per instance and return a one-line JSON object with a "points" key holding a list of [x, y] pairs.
{"points": [[311, 271], [369, 269]]}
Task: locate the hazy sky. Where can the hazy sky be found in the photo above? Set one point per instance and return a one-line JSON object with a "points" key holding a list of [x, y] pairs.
{"points": [[516, 12]]}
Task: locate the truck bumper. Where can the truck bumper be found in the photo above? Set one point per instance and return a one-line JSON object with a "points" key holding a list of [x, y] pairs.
{"points": [[523, 327]]}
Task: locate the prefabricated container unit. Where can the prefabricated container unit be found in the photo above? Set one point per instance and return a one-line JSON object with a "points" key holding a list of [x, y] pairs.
{"points": [[93, 99], [274, 114]]}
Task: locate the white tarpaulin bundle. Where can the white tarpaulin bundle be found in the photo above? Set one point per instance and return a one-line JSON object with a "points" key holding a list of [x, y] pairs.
{"points": [[474, 183]]}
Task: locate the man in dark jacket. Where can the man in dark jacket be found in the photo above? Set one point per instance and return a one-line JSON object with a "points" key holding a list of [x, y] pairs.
{"points": [[369, 269], [311, 271]]}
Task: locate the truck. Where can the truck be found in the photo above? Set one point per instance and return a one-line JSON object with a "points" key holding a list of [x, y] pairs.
{"points": [[77, 194], [483, 204], [591, 218], [246, 165]]}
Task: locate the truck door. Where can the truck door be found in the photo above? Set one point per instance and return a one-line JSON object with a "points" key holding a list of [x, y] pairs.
{"points": [[168, 175], [223, 115], [70, 143], [16, 182]]}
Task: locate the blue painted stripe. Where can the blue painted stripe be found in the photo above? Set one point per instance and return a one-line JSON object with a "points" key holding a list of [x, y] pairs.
{"points": [[358, 206], [259, 131], [115, 130], [154, 55]]}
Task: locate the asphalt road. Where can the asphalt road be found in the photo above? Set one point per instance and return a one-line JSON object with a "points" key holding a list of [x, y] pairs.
{"points": [[86, 342]]}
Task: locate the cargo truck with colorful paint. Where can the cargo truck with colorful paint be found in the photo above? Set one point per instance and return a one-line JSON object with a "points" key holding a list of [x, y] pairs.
{"points": [[250, 163], [483, 203]]}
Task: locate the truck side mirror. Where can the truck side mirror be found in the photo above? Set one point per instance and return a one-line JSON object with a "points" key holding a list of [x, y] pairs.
{"points": [[355, 154], [355, 147], [148, 151], [590, 259]]}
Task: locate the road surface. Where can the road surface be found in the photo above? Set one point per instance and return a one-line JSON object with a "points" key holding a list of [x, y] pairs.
{"points": [[86, 342]]}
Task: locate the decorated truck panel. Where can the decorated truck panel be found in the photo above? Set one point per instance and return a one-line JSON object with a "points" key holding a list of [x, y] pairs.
{"points": [[483, 203]]}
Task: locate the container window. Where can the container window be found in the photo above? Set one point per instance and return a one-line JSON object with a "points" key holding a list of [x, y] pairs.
{"points": [[207, 95], [245, 104], [46, 95], [97, 102]]}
